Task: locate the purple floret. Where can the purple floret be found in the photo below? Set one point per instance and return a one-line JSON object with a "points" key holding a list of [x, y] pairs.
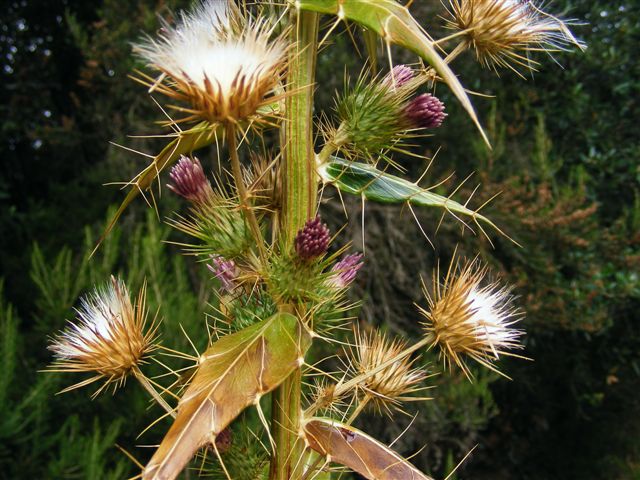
{"points": [[189, 180], [312, 240], [398, 77], [224, 271], [346, 270]]}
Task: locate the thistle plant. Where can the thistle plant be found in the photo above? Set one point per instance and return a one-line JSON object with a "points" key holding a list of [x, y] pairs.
{"points": [[234, 75]]}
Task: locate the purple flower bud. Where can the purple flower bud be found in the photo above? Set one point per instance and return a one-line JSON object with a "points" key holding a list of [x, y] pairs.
{"points": [[312, 240], [225, 271], [398, 77], [425, 111], [345, 270], [189, 181]]}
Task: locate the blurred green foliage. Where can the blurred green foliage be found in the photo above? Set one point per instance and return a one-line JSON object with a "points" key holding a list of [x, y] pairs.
{"points": [[565, 157], [70, 436]]}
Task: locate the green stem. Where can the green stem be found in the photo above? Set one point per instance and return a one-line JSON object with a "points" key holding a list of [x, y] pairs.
{"points": [[287, 462], [299, 204], [299, 177], [245, 203]]}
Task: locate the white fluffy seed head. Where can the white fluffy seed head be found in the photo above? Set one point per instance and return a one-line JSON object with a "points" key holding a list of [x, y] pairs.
{"points": [[218, 62], [108, 337], [466, 318]]}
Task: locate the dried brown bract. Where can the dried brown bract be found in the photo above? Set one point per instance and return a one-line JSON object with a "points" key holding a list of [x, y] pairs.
{"points": [[216, 61], [504, 32]]}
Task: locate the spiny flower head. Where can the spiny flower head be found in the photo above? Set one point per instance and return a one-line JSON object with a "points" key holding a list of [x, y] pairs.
{"points": [[344, 272], [221, 64], [392, 384], [189, 181], [324, 397], [312, 240], [467, 318], [425, 111], [219, 226], [503, 32], [109, 338], [371, 112], [224, 271]]}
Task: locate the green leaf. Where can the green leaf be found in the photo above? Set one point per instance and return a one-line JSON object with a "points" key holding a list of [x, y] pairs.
{"points": [[396, 25], [371, 44], [367, 181], [234, 372], [352, 448]]}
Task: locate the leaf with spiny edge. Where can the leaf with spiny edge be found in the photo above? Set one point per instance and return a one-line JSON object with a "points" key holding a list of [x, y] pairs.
{"points": [[393, 22], [373, 184], [354, 449], [184, 143], [234, 373]]}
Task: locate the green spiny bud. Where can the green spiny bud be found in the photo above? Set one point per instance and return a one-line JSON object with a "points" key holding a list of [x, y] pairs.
{"points": [[372, 113], [219, 225]]}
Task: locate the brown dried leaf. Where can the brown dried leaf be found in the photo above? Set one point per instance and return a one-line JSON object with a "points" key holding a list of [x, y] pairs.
{"points": [[234, 373], [356, 450]]}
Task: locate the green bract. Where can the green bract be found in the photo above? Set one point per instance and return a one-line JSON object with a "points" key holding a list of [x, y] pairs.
{"points": [[220, 227]]}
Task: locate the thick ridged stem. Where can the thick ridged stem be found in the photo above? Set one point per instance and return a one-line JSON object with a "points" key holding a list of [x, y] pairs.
{"points": [[299, 177], [287, 463], [299, 204]]}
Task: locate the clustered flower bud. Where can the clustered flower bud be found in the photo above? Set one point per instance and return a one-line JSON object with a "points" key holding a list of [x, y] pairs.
{"points": [[398, 77], [425, 111], [312, 240], [189, 181], [224, 271], [345, 271]]}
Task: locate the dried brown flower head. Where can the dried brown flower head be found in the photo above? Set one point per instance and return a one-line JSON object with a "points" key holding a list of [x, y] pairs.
{"points": [[466, 318], [387, 387], [504, 32], [109, 339], [218, 62]]}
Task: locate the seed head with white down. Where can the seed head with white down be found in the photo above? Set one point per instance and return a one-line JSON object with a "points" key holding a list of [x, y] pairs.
{"points": [[504, 32], [468, 318], [220, 63], [108, 339]]}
